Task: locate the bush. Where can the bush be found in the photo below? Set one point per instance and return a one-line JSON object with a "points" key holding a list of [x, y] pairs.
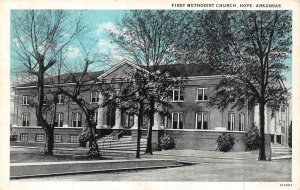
{"points": [[13, 135], [252, 139], [84, 137], [166, 142], [225, 142]]}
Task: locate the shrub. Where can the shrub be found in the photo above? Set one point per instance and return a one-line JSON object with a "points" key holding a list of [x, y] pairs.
{"points": [[252, 139], [13, 135], [166, 142], [225, 142], [84, 137]]}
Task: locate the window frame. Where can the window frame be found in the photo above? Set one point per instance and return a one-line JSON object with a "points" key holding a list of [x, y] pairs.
{"points": [[94, 99], [180, 94], [77, 119], [56, 138], [231, 121], [178, 123], [74, 138], [26, 116], [203, 94], [242, 124], [60, 99], [22, 135], [202, 119], [60, 117], [25, 100], [38, 138]]}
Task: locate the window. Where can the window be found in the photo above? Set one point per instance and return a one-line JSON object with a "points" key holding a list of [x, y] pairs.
{"points": [[25, 100], [39, 138], [57, 138], [76, 118], [177, 120], [202, 94], [24, 137], [25, 119], [60, 99], [177, 95], [73, 138], [59, 120], [242, 122], [94, 97], [202, 120], [231, 121]]}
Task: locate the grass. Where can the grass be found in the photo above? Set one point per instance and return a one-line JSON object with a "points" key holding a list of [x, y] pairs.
{"points": [[27, 157]]}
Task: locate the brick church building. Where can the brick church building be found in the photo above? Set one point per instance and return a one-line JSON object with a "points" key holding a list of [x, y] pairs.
{"points": [[192, 123]]}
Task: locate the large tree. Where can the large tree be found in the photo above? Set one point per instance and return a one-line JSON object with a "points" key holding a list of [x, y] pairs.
{"points": [[148, 38], [251, 49], [39, 37], [137, 93]]}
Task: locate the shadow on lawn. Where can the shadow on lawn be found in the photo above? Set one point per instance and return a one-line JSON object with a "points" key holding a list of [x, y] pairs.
{"points": [[27, 157]]}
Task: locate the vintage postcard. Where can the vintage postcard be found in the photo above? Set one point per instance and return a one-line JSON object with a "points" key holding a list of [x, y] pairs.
{"points": [[149, 95]]}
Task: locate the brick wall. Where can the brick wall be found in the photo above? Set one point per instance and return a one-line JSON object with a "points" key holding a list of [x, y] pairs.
{"points": [[204, 140]]}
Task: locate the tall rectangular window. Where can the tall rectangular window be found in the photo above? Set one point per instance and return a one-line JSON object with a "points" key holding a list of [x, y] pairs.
{"points": [[25, 100], [60, 99], [202, 94], [231, 121], [242, 122], [177, 120], [59, 120], [202, 120], [76, 119], [94, 97], [178, 95], [25, 119]]}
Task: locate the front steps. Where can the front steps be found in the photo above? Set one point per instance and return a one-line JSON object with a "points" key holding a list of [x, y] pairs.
{"points": [[124, 147], [280, 149]]}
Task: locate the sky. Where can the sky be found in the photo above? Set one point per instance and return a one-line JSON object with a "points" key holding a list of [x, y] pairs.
{"points": [[99, 21]]}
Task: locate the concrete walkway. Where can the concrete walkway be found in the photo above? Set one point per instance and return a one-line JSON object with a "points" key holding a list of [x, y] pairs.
{"points": [[41, 169]]}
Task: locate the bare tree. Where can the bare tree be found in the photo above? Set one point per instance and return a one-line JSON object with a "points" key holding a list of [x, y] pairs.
{"points": [[39, 37], [134, 94], [149, 39]]}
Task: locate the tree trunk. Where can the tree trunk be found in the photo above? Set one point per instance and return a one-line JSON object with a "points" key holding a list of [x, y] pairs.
{"points": [[49, 141], [149, 135], [49, 131], [140, 123], [93, 144], [262, 153]]}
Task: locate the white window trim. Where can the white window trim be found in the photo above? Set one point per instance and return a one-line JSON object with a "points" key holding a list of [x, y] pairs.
{"points": [[60, 99], [59, 114], [202, 116], [178, 116], [77, 119], [203, 92], [232, 121], [96, 97], [179, 93], [25, 116], [25, 100]]}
